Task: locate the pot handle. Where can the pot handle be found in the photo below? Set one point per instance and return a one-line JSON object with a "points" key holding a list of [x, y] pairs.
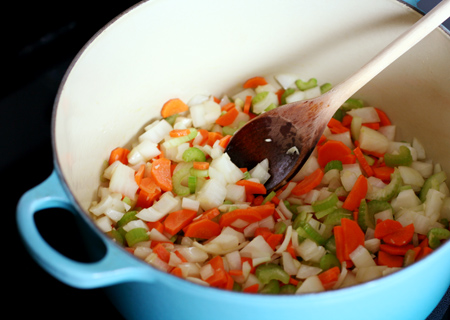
{"points": [[111, 269]]}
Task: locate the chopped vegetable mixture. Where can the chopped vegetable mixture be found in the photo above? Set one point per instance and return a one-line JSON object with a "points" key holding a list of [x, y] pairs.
{"points": [[364, 205]]}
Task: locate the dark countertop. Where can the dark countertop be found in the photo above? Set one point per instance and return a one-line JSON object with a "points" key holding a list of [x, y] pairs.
{"points": [[37, 53]]}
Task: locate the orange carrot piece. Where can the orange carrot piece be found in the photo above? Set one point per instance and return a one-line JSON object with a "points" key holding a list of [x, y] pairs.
{"points": [[162, 173], [213, 137], [204, 134], [203, 229], [224, 141], [293, 281], [162, 252], [158, 225], [119, 154], [179, 133], [308, 183], [333, 150], [389, 260], [347, 120], [177, 220], [228, 106], [357, 193], [336, 126], [201, 165], [400, 237], [363, 162], [227, 118], [173, 106], [139, 175], [254, 82], [372, 125], [219, 278], [423, 253], [339, 238], [396, 250], [329, 277], [210, 214], [250, 214], [252, 187], [251, 289], [353, 236], [383, 173], [247, 104], [274, 240], [384, 119], [179, 255], [386, 227], [177, 272]]}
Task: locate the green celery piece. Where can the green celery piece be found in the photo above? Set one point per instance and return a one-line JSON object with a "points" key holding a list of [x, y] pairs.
{"points": [[288, 289], [403, 158], [193, 154], [178, 176], [116, 236], [273, 287], [409, 258], [269, 197], [324, 213], [280, 227], [227, 130], [334, 218], [445, 222], [270, 107], [171, 119], [311, 233], [259, 97], [271, 271], [432, 182], [192, 184], [127, 217], [435, 235], [352, 104], [199, 172], [329, 261], [339, 115], [285, 94], [325, 87], [302, 85], [326, 203], [330, 245], [136, 235], [237, 287], [365, 216], [390, 191], [376, 206], [333, 164], [174, 142]]}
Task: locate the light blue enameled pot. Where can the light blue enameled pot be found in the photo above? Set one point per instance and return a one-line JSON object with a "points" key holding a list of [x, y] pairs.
{"points": [[162, 49]]}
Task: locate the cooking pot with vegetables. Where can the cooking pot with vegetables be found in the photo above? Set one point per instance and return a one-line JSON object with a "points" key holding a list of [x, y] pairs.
{"points": [[161, 49]]}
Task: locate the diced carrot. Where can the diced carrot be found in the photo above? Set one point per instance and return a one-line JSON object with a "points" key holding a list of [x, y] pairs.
{"points": [[363, 162], [255, 200], [251, 289], [180, 256], [201, 165], [179, 133], [400, 237], [224, 141], [423, 253], [333, 150], [356, 194], [173, 106], [236, 272], [203, 229], [383, 173], [148, 184], [386, 227], [158, 225], [255, 82], [396, 250], [213, 137], [424, 243], [139, 174], [119, 154], [308, 183], [162, 173], [247, 104], [177, 272], [228, 106], [291, 250], [216, 100], [293, 281], [384, 119], [177, 220], [263, 231], [339, 239], [162, 252], [336, 126], [372, 125], [228, 117], [250, 214], [229, 284], [219, 278], [279, 94], [205, 135], [154, 243], [145, 199], [347, 120], [274, 240], [252, 187], [392, 261], [353, 236], [210, 214], [329, 277]]}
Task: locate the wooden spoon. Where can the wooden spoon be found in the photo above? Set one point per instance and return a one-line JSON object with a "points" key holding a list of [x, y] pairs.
{"points": [[287, 135]]}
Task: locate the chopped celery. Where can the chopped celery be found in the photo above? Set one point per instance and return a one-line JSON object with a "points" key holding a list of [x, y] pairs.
{"points": [[329, 261], [330, 245], [175, 142], [280, 227], [324, 213], [237, 287], [352, 104], [365, 216], [199, 172], [435, 235], [273, 287], [171, 119], [227, 130], [339, 115], [432, 182], [333, 164], [193, 154], [116, 236], [127, 217], [271, 271], [247, 175], [334, 218], [445, 222], [178, 176], [389, 191], [376, 206], [136, 235], [302, 85], [288, 289], [403, 158], [307, 231], [270, 107], [192, 184], [326, 203], [286, 93], [269, 197], [259, 97], [409, 258], [325, 87]]}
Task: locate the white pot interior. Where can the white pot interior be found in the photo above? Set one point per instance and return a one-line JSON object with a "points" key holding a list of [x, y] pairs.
{"points": [[163, 49]]}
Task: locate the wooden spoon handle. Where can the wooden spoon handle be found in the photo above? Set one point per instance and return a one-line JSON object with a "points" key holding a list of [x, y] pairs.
{"points": [[392, 52]]}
